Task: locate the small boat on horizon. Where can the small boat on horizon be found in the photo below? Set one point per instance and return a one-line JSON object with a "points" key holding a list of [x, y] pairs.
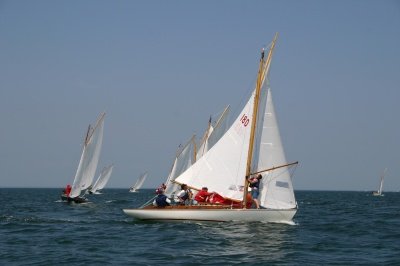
{"points": [[139, 183], [380, 190]]}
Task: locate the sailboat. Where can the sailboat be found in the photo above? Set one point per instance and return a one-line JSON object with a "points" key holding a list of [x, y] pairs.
{"points": [[87, 164], [250, 146], [102, 180], [139, 183], [380, 190]]}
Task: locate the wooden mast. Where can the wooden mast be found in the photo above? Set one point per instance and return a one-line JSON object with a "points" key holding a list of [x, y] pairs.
{"points": [[205, 137], [262, 71], [194, 148]]}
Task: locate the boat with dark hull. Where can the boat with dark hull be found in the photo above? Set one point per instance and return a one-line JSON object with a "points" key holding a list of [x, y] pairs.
{"points": [[87, 164], [75, 200]]}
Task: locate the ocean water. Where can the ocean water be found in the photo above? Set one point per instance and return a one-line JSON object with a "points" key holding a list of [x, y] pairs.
{"points": [[331, 228]]}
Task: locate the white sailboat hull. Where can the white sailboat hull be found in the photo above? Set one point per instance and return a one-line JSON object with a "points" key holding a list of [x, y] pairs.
{"points": [[216, 215]]}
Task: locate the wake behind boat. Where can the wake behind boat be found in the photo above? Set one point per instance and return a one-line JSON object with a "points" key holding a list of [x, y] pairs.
{"points": [[87, 164], [250, 147]]}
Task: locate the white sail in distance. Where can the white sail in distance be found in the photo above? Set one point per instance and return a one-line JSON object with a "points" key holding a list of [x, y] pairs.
{"points": [[139, 182], [102, 179], [89, 158]]}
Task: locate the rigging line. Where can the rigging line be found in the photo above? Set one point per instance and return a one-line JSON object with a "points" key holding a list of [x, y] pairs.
{"points": [[274, 176], [148, 202], [293, 170]]}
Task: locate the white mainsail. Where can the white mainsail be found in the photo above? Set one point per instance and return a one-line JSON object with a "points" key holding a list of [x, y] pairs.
{"points": [[223, 168], [89, 158], [102, 179], [139, 182]]}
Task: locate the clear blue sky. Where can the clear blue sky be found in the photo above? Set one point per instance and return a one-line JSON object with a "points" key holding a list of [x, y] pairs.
{"points": [[159, 69]]}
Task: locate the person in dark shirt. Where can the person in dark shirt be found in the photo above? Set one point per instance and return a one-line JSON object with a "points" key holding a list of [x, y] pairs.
{"points": [[184, 197], [254, 184], [161, 200]]}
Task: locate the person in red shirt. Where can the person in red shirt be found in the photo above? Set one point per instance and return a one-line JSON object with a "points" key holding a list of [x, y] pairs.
{"points": [[202, 195], [68, 190]]}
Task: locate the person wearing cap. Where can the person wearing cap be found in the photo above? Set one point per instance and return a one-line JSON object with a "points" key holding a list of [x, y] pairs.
{"points": [[202, 195], [161, 200]]}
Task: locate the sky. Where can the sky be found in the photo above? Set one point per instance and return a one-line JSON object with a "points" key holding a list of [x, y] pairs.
{"points": [[159, 69]]}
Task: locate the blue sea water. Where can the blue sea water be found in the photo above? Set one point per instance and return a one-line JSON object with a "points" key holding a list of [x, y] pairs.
{"points": [[331, 228]]}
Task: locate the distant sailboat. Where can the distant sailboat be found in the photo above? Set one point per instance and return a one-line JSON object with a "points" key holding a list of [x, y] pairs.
{"points": [[139, 183], [380, 190], [87, 165], [102, 180]]}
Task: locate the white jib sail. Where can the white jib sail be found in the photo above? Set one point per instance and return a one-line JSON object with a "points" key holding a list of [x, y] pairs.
{"points": [[104, 176], [89, 159], [223, 168], [182, 162], [276, 189]]}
